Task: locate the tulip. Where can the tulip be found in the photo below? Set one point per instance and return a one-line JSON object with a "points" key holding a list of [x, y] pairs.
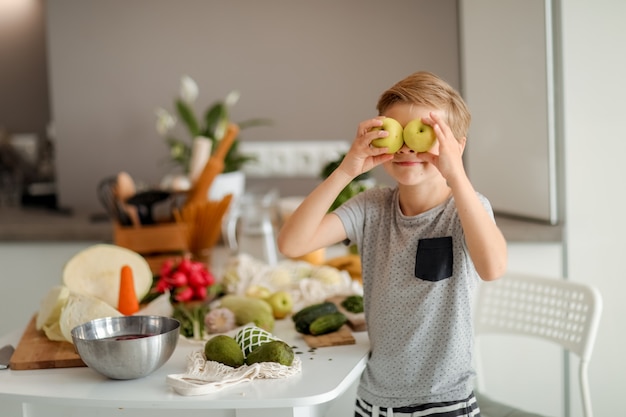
{"points": [[232, 98], [165, 121], [188, 89]]}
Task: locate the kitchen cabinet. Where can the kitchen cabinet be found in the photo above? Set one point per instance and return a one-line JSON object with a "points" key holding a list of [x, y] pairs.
{"points": [[507, 71]]}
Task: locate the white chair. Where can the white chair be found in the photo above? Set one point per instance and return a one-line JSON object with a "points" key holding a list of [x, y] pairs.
{"points": [[557, 310]]}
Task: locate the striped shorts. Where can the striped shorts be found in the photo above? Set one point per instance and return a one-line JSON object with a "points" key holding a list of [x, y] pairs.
{"points": [[464, 408]]}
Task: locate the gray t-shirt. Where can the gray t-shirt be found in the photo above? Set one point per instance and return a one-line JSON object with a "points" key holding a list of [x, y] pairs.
{"points": [[418, 282]]}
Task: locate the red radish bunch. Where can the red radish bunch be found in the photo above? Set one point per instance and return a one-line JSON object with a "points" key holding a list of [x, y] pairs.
{"points": [[187, 281]]}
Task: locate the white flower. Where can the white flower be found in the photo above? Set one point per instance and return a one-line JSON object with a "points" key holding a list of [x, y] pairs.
{"points": [[188, 89], [165, 121], [232, 98], [220, 129]]}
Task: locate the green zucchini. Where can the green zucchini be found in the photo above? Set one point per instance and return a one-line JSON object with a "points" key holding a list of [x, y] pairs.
{"points": [[327, 323], [305, 317]]}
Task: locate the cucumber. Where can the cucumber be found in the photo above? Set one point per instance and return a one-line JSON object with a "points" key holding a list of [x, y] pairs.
{"points": [[305, 317], [326, 306], [327, 323]]}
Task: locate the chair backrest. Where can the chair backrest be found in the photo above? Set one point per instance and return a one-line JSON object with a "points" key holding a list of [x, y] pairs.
{"points": [[553, 309]]}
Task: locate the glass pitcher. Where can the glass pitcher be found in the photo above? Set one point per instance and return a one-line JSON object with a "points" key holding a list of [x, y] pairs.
{"points": [[250, 228]]}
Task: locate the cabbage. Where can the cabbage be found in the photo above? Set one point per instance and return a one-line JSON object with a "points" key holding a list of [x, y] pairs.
{"points": [[51, 306], [53, 332], [95, 271], [81, 308]]}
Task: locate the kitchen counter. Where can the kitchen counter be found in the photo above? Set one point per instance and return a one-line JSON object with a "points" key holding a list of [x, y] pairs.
{"points": [[327, 374], [39, 225], [46, 225]]}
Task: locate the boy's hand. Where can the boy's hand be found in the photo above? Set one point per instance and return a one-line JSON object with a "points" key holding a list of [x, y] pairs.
{"points": [[362, 156], [449, 161]]}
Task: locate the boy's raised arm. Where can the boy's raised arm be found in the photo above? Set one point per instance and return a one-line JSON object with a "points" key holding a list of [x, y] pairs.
{"points": [[311, 227]]}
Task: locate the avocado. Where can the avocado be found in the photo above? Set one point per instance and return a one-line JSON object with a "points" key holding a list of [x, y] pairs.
{"points": [[274, 351], [224, 349]]}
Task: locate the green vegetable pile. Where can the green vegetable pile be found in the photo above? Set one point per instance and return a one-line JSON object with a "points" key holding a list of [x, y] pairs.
{"points": [[353, 303], [355, 187]]}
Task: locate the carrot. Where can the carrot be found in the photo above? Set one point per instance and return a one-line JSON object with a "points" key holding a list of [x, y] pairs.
{"points": [[127, 302]]}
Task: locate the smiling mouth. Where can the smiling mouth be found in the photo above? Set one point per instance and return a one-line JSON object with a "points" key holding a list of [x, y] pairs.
{"points": [[408, 163]]}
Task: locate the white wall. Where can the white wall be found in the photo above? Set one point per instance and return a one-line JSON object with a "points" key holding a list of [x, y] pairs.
{"points": [[594, 87], [315, 68]]}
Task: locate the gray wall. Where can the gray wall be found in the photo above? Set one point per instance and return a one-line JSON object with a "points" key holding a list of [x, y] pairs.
{"points": [[315, 68]]}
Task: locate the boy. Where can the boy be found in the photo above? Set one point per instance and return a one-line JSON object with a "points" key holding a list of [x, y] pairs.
{"points": [[424, 244]]}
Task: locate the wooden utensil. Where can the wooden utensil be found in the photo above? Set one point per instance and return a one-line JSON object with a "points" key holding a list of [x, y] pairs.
{"points": [[145, 202], [204, 221], [125, 189], [213, 167], [109, 201]]}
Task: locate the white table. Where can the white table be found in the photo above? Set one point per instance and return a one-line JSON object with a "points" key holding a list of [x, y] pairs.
{"points": [[326, 374]]}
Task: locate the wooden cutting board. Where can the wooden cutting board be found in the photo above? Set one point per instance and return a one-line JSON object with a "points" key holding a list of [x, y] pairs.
{"points": [[343, 336], [36, 351], [355, 320]]}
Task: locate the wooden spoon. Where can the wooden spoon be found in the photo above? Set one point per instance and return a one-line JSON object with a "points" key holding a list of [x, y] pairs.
{"points": [[213, 167], [125, 189]]}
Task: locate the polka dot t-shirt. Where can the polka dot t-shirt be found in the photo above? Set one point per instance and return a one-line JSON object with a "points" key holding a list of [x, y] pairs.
{"points": [[418, 282]]}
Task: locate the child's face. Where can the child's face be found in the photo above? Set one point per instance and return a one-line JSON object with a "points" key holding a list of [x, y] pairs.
{"points": [[407, 167]]}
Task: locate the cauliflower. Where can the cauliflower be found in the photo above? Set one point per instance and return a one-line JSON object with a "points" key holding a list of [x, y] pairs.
{"points": [[280, 277], [327, 275]]}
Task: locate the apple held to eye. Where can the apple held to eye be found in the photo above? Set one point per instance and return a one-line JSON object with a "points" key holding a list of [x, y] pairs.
{"points": [[419, 136], [394, 141]]}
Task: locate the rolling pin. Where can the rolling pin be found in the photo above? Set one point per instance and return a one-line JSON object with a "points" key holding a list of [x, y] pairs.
{"points": [[213, 167]]}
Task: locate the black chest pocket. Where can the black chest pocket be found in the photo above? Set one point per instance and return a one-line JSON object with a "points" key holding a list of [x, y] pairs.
{"points": [[433, 259]]}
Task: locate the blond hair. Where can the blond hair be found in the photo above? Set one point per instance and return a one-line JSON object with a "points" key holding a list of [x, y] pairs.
{"points": [[426, 89]]}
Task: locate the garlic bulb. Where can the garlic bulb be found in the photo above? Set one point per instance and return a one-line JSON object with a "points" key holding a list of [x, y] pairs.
{"points": [[219, 320]]}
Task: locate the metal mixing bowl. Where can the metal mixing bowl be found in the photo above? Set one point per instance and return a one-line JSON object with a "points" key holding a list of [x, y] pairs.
{"points": [[126, 347]]}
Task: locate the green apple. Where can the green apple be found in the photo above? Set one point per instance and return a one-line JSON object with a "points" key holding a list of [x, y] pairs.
{"points": [[394, 141], [281, 302], [419, 136]]}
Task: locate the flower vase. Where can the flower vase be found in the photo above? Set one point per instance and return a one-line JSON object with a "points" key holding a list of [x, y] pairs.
{"points": [[200, 153], [228, 183]]}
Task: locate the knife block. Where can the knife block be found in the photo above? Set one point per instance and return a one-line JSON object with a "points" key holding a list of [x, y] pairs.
{"points": [[155, 242]]}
